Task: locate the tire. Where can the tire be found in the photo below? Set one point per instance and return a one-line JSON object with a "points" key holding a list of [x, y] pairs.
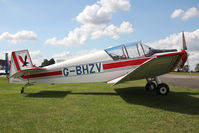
{"points": [[150, 86], [162, 89]]}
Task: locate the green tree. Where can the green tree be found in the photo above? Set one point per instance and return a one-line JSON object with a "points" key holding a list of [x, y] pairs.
{"points": [[47, 62], [51, 61], [178, 69], [197, 67]]}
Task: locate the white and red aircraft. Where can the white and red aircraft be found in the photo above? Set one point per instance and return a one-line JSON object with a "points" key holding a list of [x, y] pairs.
{"points": [[125, 62]]}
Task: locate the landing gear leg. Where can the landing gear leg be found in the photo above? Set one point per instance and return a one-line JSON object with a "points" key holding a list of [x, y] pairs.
{"points": [[150, 86], [162, 88], [26, 85]]}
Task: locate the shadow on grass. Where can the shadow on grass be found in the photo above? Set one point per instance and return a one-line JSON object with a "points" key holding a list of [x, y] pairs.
{"points": [[48, 94], [92, 93], [58, 94], [181, 102]]}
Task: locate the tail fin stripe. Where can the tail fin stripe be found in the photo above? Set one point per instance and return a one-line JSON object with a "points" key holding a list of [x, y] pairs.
{"points": [[15, 60]]}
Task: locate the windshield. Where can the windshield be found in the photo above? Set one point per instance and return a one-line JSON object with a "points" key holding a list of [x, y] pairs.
{"points": [[130, 50], [118, 52]]}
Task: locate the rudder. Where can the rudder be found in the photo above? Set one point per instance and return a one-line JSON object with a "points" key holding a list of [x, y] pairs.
{"points": [[20, 60]]}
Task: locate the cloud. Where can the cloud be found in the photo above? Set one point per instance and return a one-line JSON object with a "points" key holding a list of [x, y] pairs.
{"points": [[62, 56], [101, 12], [2, 54], [113, 31], [68, 55], [86, 52], [95, 19], [174, 41], [19, 36], [177, 13], [185, 15], [193, 59], [76, 37], [37, 57]]}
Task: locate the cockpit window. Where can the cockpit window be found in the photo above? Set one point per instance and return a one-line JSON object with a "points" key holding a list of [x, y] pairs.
{"points": [[131, 50], [118, 52], [147, 50]]}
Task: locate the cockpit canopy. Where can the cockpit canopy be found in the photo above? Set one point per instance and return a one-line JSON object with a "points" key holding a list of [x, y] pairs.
{"points": [[130, 50]]}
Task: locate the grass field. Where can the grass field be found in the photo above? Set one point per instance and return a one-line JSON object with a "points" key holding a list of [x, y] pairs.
{"points": [[97, 108]]}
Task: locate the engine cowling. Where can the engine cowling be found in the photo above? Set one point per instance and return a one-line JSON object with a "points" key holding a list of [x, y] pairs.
{"points": [[184, 58]]}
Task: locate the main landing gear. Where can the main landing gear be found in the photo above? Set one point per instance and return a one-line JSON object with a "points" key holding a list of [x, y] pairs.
{"points": [[160, 88]]}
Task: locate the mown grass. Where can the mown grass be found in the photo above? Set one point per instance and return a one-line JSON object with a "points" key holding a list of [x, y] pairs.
{"points": [[97, 107]]}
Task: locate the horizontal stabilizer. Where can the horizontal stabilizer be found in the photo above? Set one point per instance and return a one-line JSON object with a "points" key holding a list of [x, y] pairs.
{"points": [[27, 72]]}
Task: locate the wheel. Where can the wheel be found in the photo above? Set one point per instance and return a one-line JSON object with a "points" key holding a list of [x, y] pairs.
{"points": [[22, 90], [162, 89], [150, 86]]}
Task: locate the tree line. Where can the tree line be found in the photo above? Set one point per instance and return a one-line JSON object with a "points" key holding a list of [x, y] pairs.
{"points": [[187, 69], [47, 62]]}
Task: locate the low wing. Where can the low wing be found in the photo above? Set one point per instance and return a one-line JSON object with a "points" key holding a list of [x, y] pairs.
{"points": [[27, 72], [132, 75], [116, 79]]}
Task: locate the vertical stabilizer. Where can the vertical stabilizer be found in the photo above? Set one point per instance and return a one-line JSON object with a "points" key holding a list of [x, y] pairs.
{"points": [[20, 60]]}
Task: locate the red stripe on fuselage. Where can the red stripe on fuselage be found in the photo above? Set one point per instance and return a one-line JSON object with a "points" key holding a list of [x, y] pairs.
{"points": [[124, 63], [55, 73]]}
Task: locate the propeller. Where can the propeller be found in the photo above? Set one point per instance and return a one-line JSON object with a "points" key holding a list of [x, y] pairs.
{"points": [[184, 46], [184, 41]]}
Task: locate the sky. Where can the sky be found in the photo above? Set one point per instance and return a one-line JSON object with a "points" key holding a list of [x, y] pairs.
{"points": [[67, 28]]}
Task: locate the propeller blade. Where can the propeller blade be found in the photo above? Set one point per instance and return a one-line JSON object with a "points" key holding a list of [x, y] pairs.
{"points": [[185, 56], [183, 41]]}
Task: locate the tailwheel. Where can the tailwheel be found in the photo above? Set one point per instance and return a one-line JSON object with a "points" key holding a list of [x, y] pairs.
{"points": [[26, 85], [150, 86], [22, 90], [162, 89]]}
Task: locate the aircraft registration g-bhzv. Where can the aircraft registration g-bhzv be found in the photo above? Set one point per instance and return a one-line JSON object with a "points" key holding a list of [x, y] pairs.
{"points": [[115, 65]]}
